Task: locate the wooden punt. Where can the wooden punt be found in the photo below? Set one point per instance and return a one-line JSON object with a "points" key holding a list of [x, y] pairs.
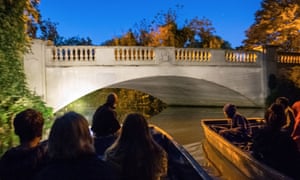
{"points": [[238, 153]]}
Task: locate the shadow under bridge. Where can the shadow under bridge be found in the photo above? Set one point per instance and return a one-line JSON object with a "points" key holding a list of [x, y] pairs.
{"points": [[186, 91]]}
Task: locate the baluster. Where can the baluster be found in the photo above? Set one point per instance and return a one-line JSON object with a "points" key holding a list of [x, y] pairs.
{"points": [[178, 55], [78, 54], [147, 54], [226, 56], [196, 55], [138, 53], [88, 52], [231, 56], [53, 54], [120, 53], [83, 54], [206, 55], [193, 55], [143, 54], [241, 56], [116, 54], [68, 54], [58, 53], [250, 56], [201, 55], [129, 54], [152, 54], [134, 54], [63, 53], [124, 54], [73, 54], [93, 54]]}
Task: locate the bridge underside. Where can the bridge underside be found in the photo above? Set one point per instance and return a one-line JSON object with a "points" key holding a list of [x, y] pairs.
{"points": [[185, 91]]}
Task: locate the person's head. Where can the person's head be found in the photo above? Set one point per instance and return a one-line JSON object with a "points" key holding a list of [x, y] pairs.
{"points": [[229, 110], [112, 99], [70, 137], [283, 101], [275, 116], [135, 128], [28, 125]]}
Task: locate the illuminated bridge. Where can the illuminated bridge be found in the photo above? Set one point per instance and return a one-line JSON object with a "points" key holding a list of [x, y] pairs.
{"points": [[177, 76]]}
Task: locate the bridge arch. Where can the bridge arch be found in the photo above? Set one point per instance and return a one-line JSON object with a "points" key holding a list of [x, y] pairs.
{"points": [[187, 91]]}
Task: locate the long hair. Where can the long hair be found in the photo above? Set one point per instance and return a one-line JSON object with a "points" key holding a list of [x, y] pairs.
{"points": [[70, 137], [139, 154]]}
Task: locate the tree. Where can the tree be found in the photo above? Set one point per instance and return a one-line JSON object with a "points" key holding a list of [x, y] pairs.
{"points": [[48, 30], [72, 41], [165, 31], [277, 23], [15, 17], [164, 36]]}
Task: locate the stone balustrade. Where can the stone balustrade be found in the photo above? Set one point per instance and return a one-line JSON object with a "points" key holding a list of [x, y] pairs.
{"points": [[73, 53], [134, 54], [288, 58], [137, 55], [191, 54], [241, 57]]}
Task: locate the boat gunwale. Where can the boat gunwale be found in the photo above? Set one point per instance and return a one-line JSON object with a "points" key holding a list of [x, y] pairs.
{"points": [[242, 153], [188, 157]]}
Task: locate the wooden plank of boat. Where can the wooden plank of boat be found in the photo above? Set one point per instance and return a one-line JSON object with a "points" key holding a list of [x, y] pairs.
{"points": [[181, 164], [239, 157]]}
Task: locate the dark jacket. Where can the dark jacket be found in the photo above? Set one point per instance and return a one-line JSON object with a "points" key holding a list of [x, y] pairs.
{"points": [[87, 167], [105, 121], [278, 150], [19, 163]]}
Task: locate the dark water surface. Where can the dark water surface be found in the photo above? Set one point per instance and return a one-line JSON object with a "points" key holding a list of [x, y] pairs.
{"points": [[183, 124]]}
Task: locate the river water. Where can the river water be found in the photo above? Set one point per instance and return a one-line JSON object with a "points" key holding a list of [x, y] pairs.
{"points": [[183, 124]]}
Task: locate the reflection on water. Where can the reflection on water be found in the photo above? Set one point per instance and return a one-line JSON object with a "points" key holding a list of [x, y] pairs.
{"points": [[183, 123]]}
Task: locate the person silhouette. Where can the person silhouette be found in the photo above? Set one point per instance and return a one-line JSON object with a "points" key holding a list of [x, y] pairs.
{"points": [[71, 152], [105, 125], [274, 146], [135, 151], [26, 159], [239, 126]]}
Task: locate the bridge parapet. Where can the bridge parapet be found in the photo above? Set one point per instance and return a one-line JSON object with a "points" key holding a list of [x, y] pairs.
{"points": [[137, 55], [288, 58], [62, 74]]}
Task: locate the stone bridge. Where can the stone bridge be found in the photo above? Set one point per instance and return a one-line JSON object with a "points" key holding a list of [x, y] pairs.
{"points": [[177, 76]]}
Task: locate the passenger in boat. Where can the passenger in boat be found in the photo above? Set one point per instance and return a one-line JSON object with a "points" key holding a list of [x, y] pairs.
{"points": [[23, 161], [26, 159], [136, 153], [274, 146], [296, 131], [105, 125], [239, 126], [72, 153], [290, 117]]}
